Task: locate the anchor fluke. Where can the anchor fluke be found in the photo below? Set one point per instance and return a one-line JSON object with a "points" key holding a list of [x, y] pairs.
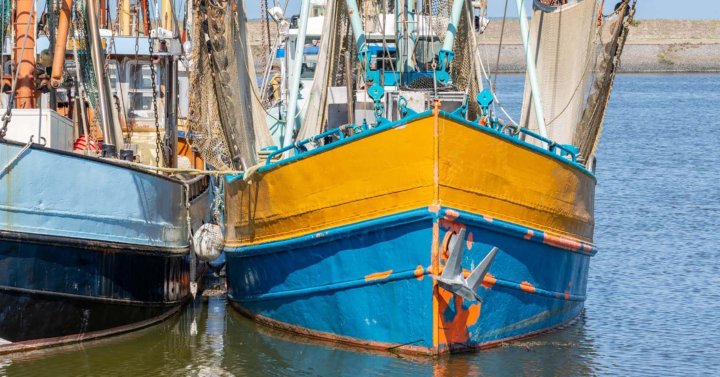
{"points": [[452, 278]]}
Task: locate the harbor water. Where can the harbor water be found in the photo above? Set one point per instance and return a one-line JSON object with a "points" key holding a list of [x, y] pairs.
{"points": [[654, 287]]}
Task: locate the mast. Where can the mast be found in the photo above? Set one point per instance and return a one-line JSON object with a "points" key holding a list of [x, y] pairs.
{"points": [[375, 91], [110, 136], [405, 28], [171, 105], [124, 17], [146, 22], [531, 69], [61, 37], [446, 54], [25, 54], [167, 15], [103, 14], [295, 73]]}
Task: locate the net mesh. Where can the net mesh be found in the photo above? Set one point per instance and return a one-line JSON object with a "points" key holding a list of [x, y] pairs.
{"points": [[226, 101], [330, 68], [204, 116], [576, 53]]}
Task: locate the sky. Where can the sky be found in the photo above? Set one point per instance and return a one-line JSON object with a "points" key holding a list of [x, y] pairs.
{"points": [[646, 9]]}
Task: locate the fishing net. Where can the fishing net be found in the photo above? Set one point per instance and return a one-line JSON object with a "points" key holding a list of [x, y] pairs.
{"points": [[204, 116], [88, 80], [577, 51], [226, 100], [439, 17], [330, 63]]}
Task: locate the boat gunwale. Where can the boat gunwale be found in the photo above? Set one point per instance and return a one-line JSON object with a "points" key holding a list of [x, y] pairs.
{"points": [[96, 159], [414, 117]]}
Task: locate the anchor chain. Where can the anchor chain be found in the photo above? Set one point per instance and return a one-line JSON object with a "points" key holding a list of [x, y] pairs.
{"points": [[158, 140]]}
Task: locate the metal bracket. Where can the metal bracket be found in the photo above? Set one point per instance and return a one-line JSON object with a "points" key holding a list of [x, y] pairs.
{"points": [[445, 57], [402, 107], [485, 99]]}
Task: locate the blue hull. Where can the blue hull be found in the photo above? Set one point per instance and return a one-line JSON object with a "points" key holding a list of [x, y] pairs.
{"points": [[88, 247], [370, 283], [53, 287]]}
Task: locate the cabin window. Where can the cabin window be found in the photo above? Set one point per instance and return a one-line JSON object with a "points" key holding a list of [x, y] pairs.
{"points": [[113, 76], [308, 70], [140, 100]]}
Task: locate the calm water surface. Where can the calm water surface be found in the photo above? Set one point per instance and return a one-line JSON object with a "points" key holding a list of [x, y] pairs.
{"points": [[653, 297]]}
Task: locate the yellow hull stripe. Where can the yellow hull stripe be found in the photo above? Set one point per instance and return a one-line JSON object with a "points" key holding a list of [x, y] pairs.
{"points": [[428, 162]]}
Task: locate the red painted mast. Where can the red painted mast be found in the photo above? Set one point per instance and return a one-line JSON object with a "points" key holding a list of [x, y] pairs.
{"points": [[145, 13], [24, 26]]}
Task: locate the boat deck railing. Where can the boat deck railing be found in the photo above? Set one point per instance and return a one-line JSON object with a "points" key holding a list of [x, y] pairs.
{"points": [[564, 152]]}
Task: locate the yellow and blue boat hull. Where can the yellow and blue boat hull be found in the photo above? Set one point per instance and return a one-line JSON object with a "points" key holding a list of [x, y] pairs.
{"points": [[342, 242]]}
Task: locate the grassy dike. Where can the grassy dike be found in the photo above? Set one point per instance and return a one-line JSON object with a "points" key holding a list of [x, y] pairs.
{"points": [[670, 46]]}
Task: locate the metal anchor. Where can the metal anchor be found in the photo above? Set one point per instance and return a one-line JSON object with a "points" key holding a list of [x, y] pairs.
{"points": [[452, 278]]}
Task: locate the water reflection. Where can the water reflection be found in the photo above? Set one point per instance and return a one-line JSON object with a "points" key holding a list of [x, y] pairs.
{"points": [[227, 344], [653, 294], [567, 352]]}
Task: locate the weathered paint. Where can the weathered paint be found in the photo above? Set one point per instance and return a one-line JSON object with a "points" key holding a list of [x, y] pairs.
{"points": [[58, 288], [397, 173], [387, 202], [87, 246], [419, 272], [68, 195], [285, 281], [526, 286], [378, 275], [488, 281]]}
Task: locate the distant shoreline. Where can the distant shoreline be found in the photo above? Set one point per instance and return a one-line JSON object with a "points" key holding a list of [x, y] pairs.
{"points": [[653, 46]]}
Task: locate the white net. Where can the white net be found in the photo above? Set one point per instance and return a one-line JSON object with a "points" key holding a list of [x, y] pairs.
{"points": [[573, 43]]}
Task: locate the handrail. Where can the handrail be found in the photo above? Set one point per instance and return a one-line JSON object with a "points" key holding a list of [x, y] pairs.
{"points": [[564, 151], [298, 144]]}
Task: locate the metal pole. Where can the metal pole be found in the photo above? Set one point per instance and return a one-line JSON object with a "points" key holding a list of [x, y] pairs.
{"points": [[25, 54], [453, 25], [98, 59], [58, 64], [295, 74], [400, 35], [348, 82], [171, 105], [412, 20], [531, 69], [167, 16], [356, 24], [124, 17]]}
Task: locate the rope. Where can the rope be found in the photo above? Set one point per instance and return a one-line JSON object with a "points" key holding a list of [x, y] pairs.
{"points": [[16, 158], [161, 169], [502, 34]]}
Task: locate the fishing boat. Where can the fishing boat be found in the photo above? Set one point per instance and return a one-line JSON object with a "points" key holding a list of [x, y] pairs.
{"points": [[408, 216], [94, 239]]}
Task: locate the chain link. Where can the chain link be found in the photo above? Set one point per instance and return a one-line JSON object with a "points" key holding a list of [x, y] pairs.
{"points": [[158, 140]]}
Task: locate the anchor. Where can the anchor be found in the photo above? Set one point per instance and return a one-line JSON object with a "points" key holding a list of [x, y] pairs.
{"points": [[452, 278]]}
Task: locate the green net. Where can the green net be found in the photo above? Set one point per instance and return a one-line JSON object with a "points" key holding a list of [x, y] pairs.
{"points": [[82, 45]]}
